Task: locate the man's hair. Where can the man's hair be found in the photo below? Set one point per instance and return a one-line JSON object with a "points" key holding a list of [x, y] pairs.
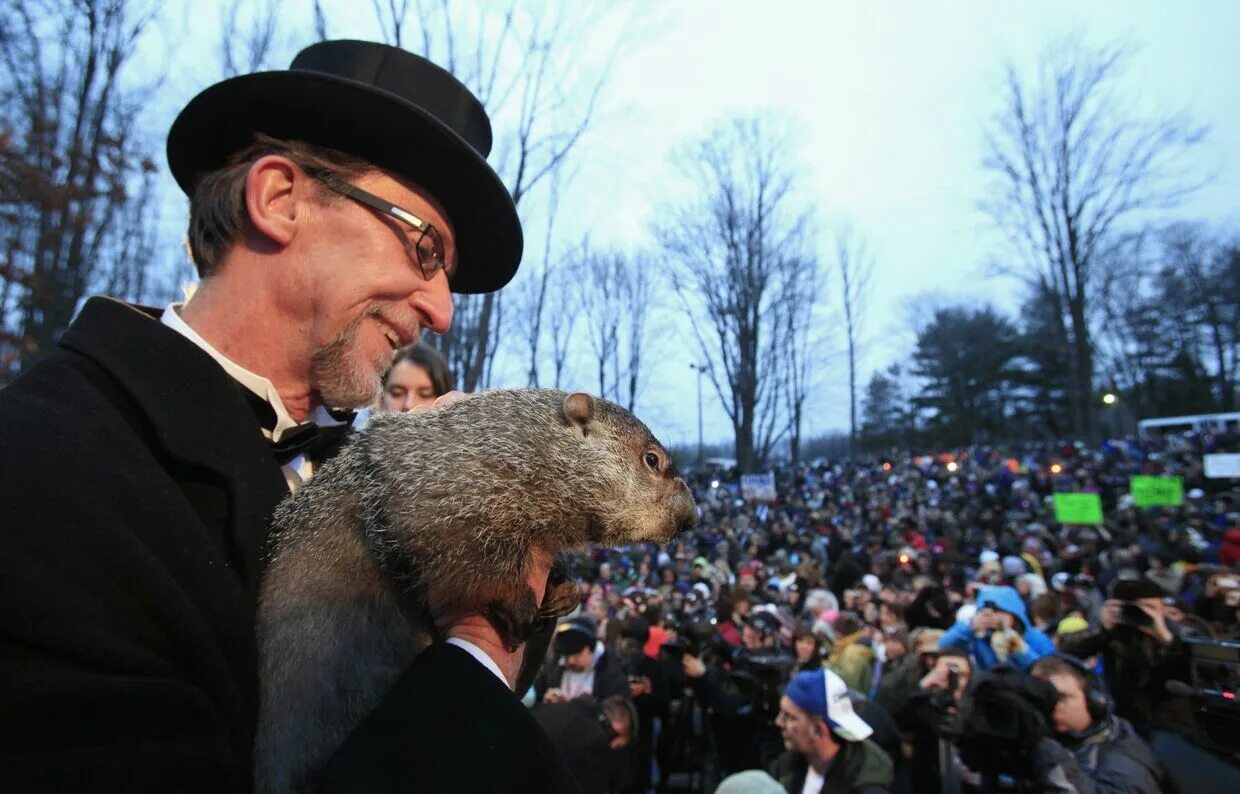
{"points": [[620, 709], [217, 211], [848, 623], [1048, 666], [428, 358]]}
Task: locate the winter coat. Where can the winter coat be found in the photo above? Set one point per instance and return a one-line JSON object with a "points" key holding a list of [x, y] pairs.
{"points": [[1115, 760], [852, 661], [137, 490], [981, 649], [859, 768]]}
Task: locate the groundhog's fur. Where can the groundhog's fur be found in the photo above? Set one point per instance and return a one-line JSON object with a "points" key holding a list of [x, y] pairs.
{"points": [[428, 517]]}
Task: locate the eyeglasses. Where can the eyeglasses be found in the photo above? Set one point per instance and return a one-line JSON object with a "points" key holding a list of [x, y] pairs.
{"points": [[428, 249]]}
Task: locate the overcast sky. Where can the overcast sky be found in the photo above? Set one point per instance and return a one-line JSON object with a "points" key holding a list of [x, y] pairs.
{"points": [[890, 100]]}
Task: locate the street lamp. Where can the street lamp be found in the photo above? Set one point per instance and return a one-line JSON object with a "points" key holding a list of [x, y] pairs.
{"points": [[699, 368], [1109, 399]]}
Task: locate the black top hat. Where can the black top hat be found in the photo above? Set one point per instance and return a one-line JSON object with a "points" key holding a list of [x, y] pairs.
{"points": [[390, 107]]}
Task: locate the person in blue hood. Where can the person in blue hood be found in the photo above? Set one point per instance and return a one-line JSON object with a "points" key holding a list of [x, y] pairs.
{"points": [[999, 633]]}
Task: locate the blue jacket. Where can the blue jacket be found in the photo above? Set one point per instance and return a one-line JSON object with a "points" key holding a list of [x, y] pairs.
{"points": [[984, 657]]}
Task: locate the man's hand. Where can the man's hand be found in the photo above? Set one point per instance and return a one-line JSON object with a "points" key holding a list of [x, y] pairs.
{"points": [[984, 622], [1007, 642], [554, 695], [1158, 630], [445, 399], [1110, 615], [694, 667]]}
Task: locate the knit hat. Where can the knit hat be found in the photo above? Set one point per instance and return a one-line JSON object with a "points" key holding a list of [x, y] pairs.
{"points": [[824, 694], [573, 635], [1072, 624], [1135, 589], [751, 781]]}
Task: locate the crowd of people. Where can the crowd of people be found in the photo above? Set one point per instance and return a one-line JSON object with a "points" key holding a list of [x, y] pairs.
{"points": [[829, 638], [901, 624]]}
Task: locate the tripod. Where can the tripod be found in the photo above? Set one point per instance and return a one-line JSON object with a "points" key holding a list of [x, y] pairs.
{"points": [[688, 757]]}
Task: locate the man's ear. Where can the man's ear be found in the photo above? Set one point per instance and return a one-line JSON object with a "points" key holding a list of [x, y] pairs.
{"points": [[271, 198]]}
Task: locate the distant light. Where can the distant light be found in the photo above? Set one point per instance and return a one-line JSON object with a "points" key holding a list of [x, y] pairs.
{"points": [[886, 467], [1109, 399], [951, 466], [1056, 468], [904, 559], [714, 483]]}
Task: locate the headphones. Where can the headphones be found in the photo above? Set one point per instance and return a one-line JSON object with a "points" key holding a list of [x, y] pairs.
{"points": [[1097, 701]]}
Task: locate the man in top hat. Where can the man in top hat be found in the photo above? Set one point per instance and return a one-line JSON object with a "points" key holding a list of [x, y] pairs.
{"points": [[334, 207], [828, 746]]}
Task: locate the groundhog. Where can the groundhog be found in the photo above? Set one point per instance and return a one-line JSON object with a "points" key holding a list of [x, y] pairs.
{"points": [[428, 517]]}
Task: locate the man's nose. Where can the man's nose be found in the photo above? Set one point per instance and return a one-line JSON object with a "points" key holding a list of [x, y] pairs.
{"points": [[432, 300]]}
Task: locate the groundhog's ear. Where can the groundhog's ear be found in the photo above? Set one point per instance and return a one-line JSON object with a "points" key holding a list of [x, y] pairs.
{"points": [[579, 409]]}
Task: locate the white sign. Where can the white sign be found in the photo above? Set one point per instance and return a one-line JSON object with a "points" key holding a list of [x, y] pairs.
{"points": [[1223, 466], [759, 487]]}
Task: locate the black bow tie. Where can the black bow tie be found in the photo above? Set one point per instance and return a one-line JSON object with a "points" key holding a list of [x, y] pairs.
{"points": [[316, 442]]}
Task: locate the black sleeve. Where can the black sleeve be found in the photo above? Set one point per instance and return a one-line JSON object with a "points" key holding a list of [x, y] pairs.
{"points": [[115, 673], [1083, 644]]}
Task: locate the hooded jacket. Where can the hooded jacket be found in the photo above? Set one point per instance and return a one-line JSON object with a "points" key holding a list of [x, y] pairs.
{"points": [[1005, 599], [1115, 760]]}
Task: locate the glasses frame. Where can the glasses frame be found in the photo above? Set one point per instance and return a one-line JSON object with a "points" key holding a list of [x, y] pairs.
{"points": [[382, 205]]}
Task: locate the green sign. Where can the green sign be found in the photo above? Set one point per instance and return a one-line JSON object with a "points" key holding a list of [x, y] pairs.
{"points": [[1157, 491], [1078, 508]]}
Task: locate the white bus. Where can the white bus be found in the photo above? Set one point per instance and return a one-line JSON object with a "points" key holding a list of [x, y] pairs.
{"points": [[1200, 423]]}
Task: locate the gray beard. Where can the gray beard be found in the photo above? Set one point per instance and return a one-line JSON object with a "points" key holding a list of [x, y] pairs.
{"points": [[340, 377]]}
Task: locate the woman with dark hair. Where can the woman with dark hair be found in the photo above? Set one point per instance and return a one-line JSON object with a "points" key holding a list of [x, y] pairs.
{"points": [[419, 375], [809, 649]]}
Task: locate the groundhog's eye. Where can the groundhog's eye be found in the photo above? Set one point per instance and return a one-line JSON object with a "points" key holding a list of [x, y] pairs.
{"points": [[652, 460]]}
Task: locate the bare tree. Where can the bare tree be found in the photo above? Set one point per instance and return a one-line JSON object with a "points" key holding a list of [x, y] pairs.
{"points": [[528, 66], [731, 250], [805, 283], [856, 270], [532, 291], [1199, 289], [247, 31], [392, 16], [320, 22], [602, 299], [562, 319], [71, 159], [636, 297], [1071, 165]]}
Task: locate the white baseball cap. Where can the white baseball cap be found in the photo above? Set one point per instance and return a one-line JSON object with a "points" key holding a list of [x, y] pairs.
{"points": [[825, 694]]}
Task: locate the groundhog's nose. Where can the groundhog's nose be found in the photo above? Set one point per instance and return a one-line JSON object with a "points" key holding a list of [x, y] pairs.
{"points": [[687, 514]]}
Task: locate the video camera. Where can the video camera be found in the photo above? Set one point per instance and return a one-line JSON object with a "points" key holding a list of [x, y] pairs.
{"points": [[760, 679], [1215, 667], [1003, 715], [694, 636]]}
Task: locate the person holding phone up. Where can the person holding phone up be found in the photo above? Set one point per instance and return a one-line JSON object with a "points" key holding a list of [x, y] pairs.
{"points": [[1141, 650]]}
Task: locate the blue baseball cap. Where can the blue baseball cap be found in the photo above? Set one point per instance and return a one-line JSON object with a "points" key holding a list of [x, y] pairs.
{"points": [[823, 693]]}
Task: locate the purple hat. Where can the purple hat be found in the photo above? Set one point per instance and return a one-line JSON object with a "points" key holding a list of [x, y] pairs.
{"points": [[825, 694]]}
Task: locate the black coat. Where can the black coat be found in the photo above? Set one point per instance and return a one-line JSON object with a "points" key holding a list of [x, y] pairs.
{"points": [[448, 725], [609, 677], [137, 491], [582, 734]]}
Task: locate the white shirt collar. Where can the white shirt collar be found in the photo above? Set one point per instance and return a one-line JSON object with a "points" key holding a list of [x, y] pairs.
{"points": [[481, 656], [252, 381]]}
